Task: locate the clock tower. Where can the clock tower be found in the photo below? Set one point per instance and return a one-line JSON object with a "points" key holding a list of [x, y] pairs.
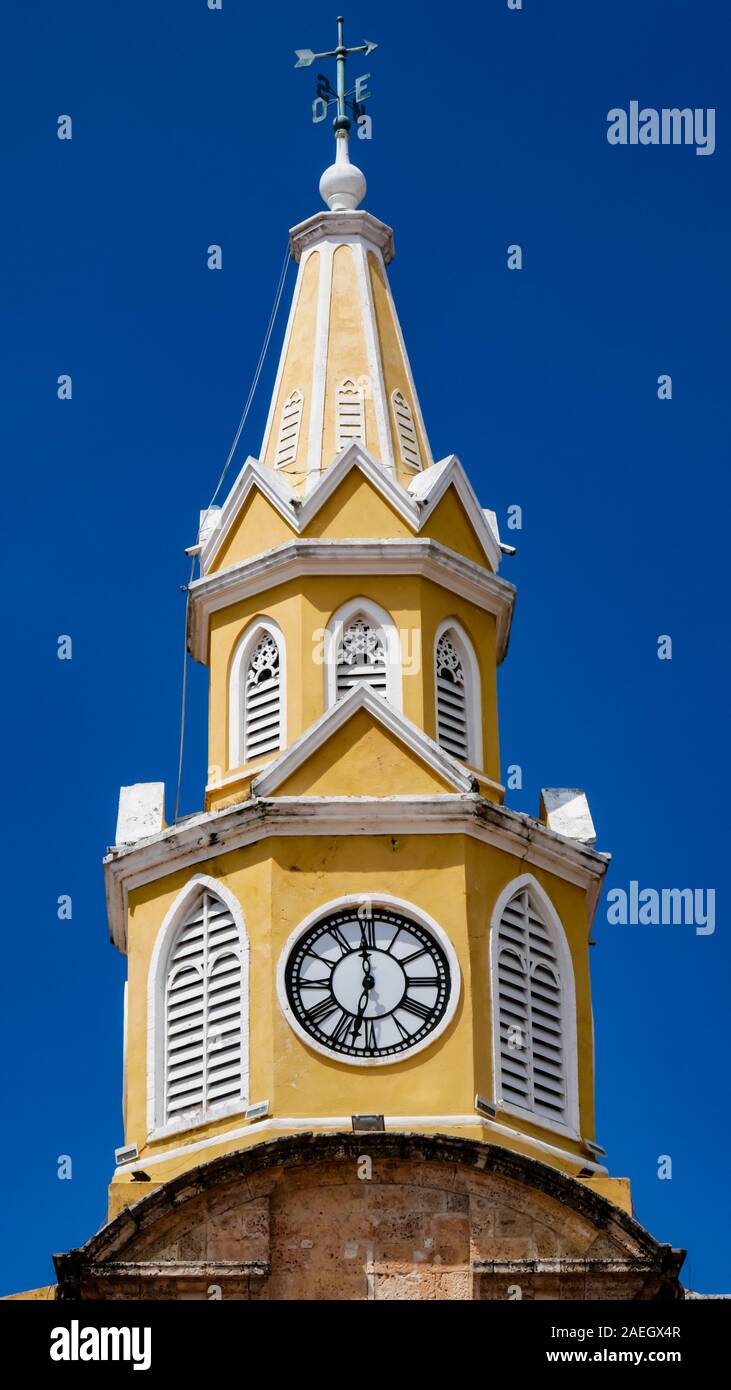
{"points": [[358, 1032]]}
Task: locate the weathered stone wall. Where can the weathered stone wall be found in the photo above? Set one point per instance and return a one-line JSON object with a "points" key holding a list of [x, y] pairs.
{"points": [[373, 1217]]}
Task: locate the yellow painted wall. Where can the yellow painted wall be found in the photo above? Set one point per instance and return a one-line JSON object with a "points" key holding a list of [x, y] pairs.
{"points": [[258, 527], [363, 759], [450, 525], [278, 882], [302, 609], [355, 511]]}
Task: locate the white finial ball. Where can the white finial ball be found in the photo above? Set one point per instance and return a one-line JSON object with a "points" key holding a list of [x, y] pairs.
{"points": [[342, 186]]}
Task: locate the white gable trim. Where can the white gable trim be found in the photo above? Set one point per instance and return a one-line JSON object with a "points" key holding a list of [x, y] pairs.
{"points": [[361, 698], [156, 980], [414, 504], [429, 487], [568, 1009]]}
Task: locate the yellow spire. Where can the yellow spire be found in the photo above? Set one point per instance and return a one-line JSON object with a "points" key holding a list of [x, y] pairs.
{"points": [[344, 371]]}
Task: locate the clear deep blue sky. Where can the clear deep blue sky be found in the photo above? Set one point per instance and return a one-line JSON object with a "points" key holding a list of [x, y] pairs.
{"points": [[192, 127]]}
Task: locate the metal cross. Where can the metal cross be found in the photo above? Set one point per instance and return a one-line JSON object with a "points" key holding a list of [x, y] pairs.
{"points": [[305, 57]]}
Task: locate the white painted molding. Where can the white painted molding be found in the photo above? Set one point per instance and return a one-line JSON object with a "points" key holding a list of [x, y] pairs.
{"points": [[156, 980], [237, 683], [407, 909], [414, 504], [362, 698], [297, 559], [471, 668], [207, 835], [395, 1124], [341, 227], [141, 812], [384, 624], [552, 921], [566, 810]]}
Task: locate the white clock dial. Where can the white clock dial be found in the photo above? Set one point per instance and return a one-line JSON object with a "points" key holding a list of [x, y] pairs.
{"points": [[368, 983]]}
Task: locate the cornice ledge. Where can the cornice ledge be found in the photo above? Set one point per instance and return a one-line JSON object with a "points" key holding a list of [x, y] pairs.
{"points": [[342, 226], [210, 833], [292, 559]]}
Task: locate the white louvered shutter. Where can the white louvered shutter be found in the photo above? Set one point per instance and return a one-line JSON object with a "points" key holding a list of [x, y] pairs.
{"points": [[203, 1012], [263, 699], [350, 414], [289, 430], [406, 430], [532, 1062], [452, 727], [361, 658]]}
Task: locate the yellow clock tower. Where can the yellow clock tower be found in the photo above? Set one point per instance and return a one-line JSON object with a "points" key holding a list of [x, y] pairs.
{"points": [[358, 1033]]}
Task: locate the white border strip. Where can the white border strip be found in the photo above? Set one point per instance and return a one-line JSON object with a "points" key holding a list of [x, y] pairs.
{"points": [[395, 1124]]}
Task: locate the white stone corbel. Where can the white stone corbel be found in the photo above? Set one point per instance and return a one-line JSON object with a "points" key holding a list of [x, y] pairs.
{"points": [[141, 812], [566, 810]]}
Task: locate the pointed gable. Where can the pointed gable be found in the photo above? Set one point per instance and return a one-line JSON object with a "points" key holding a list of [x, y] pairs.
{"points": [[362, 746], [257, 526]]}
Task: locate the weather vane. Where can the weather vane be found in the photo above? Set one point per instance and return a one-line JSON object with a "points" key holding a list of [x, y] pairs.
{"points": [[352, 102]]}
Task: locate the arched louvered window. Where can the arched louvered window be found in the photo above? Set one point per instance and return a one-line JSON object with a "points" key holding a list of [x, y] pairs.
{"points": [[362, 657], [362, 647], [350, 414], [203, 1034], [262, 699], [534, 1010], [257, 694], [451, 699], [457, 683], [289, 430], [406, 430]]}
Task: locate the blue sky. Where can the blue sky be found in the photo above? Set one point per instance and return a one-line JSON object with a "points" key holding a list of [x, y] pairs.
{"points": [[192, 127]]}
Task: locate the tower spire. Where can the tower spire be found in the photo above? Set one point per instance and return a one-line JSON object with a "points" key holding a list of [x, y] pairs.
{"points": [[342, 185]]}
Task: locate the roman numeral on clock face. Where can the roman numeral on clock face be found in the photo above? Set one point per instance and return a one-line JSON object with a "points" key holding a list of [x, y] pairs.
{"points": [[322, 1011], [351, 991], [415, 1006], [342, 1028]]}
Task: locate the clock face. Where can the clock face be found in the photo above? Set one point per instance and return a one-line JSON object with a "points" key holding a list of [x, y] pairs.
{"points": [[368, 984]]}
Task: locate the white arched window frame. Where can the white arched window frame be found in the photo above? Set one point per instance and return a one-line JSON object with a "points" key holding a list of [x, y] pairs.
{"points": [[542, 907], [363, 609], [159, 1125], [471, 686], [260, 629]]}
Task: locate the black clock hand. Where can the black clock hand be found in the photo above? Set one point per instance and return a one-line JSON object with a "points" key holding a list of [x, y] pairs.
{"points": [[368, 983]]}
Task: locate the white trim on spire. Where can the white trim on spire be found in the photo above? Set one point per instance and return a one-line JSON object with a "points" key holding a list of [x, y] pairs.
{"points": [[375, 360]]}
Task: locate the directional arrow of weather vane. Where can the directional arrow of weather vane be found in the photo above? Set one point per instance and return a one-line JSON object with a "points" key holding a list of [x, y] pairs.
{"points": [[305, 58]]}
